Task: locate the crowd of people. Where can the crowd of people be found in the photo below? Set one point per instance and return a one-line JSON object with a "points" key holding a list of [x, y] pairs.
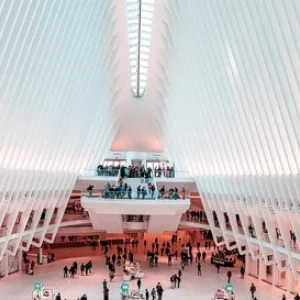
{"points": [[124, 191], [196, 216], [189, 254], [172, 193], [136, 171], [108, 170], [84, 269], [146, 190]]}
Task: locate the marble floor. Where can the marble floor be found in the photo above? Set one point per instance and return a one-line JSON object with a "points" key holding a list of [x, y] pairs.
{"points": [[19, 286]]}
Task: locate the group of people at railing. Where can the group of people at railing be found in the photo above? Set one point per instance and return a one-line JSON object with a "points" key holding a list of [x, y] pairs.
{"points": [[136, 171], [124, 191], [168, 172], [196, 216], [108, 170], [172, 193]]}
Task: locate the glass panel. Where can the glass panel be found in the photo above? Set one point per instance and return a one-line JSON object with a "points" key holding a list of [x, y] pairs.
{"points": [[138, 69]]}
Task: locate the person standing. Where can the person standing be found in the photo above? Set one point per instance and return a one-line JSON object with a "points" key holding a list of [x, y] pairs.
{"points": [[169, 259], [242, 272], [297, 297], [66, 272], [199, 268], [58, 297], [75, 264], [146, 294], [155, 260], [229, 274], [113, 258], [82, 267], [253, 290], [104, 284]]}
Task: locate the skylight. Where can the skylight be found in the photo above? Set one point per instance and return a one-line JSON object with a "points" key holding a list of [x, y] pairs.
{"points": [[139, 16]]}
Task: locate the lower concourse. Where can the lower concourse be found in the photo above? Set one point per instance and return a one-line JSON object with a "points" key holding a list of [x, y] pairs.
{"points": [[20, 286]]}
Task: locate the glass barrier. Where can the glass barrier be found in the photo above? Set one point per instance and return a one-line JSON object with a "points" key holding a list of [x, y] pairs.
{"points": [[106, 194], [101, 172], [172, 174]]}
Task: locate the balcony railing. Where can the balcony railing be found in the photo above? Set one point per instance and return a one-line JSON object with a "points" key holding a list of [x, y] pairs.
{"points": [[134, 195], [101, 172]]}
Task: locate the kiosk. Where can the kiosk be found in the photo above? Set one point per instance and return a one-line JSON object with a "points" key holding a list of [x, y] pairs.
{"points": [[132, 271], [225, 294], [42, 293]]}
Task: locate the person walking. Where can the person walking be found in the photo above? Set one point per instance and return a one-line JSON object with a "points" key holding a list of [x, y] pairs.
{"points": [[139, 283], [218, 268], [199, 268], [153, 294], [159, 291], [242, 271], [253, 290], [178, 282], [283, 297]]}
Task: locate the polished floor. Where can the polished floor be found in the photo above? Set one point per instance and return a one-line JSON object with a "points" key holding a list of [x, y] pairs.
{"points": [[19, 286]]}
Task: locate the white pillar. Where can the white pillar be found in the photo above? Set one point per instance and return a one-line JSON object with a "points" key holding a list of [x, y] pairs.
{"points": [[275, 274], [288, 277], [262, 269], [20, 258], [247, 264], [5, 264], [40, 256]]}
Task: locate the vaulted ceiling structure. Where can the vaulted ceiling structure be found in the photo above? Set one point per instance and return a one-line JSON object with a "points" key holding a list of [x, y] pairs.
{"points": [[222, 95]]}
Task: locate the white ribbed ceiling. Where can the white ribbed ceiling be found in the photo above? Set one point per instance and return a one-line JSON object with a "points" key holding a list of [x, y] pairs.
{"points": [[222, 88]]}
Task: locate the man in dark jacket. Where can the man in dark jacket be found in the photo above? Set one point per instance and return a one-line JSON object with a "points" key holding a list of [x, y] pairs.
{"points": [[159, 291]]}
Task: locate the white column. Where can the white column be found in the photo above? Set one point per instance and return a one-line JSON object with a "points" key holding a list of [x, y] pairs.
{"points": [[247, 264], [262, 269], [289, 281], [275, 274], [5, 264], [40, 256], [20, 258]]}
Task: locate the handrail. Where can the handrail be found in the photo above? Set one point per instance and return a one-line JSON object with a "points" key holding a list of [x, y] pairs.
{"points": [[101, 172], [134, 195]]}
